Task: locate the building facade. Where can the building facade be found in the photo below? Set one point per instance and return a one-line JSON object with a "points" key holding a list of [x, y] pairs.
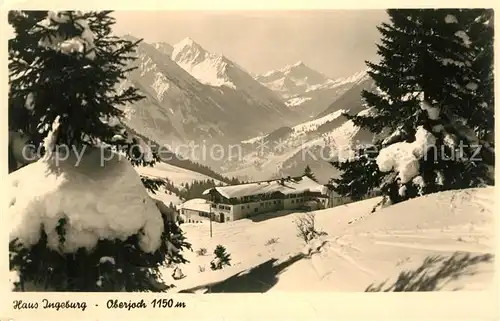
{"points": [[194, 210], [234, 202]]}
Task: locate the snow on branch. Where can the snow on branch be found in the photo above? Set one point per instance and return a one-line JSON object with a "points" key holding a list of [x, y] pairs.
{"points": [[404, 157], [432, 111], [99, 196], [57, 40]]}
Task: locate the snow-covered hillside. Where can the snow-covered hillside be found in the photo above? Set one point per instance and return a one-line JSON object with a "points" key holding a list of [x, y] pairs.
{"points": [[287, 150], [311, 146], [441, 238], [305, 89], [351, 98], [178, 176]]}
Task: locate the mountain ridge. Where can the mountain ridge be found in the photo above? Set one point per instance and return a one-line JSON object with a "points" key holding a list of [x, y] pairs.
{"points": [[178, 108], [306, 90]]}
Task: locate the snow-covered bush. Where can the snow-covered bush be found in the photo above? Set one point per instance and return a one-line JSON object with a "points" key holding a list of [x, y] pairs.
{"points": [[71, 218], [178, 274], [80, 216], [306, 228], [222, 258]]}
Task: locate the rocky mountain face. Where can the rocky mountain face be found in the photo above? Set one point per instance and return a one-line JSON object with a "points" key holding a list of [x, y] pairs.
{"points": [[179, 108]]}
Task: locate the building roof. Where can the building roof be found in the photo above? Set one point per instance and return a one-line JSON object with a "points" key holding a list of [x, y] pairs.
{"points": [[289, 186], [196, 204]]}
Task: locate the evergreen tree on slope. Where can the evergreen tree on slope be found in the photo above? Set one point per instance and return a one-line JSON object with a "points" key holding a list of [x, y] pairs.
{"points": [[355, 182], [65, 73], [433, 104], [309, 173]]}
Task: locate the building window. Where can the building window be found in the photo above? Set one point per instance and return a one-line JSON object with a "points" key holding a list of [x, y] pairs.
{"points": [[292, 201]]}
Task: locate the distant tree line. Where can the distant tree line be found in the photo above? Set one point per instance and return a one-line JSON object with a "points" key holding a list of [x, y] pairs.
{"points": [[171, 158]]}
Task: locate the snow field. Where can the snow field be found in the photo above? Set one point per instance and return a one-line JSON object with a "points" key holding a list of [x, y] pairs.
{"points": [[361, 248]]}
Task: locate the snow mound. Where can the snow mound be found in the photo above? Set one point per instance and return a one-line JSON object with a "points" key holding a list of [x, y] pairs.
{"points": [[99, 197]]}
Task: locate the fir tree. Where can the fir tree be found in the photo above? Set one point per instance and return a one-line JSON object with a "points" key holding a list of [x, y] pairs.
{"points": [[65, 68], [433, 105], [222, 258], [309, 173], [360, 175]]}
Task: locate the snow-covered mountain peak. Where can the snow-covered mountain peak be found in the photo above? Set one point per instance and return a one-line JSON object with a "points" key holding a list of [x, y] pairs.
{"points": [[293, 80], [207, 67], [298, 64], [300, 71], [188, 51], [218, 71], [187, 42]]}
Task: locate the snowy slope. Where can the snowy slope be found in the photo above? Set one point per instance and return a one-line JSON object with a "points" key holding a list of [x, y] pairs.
{"points": [[176, 175], [351, 99], [360, 249], [305, 89], [287, 150], [301, 149]]}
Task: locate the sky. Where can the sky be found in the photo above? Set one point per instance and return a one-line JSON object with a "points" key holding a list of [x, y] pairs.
{"points": [[335, 42]]}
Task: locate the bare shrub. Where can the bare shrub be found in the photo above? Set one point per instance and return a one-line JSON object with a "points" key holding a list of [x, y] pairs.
{"points": [[201, 268], [273, 240], [201, 251], [306, 228]]}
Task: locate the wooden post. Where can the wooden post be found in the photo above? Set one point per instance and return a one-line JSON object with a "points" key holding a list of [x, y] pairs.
{"points": [[210, 212], [210, 220]]}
